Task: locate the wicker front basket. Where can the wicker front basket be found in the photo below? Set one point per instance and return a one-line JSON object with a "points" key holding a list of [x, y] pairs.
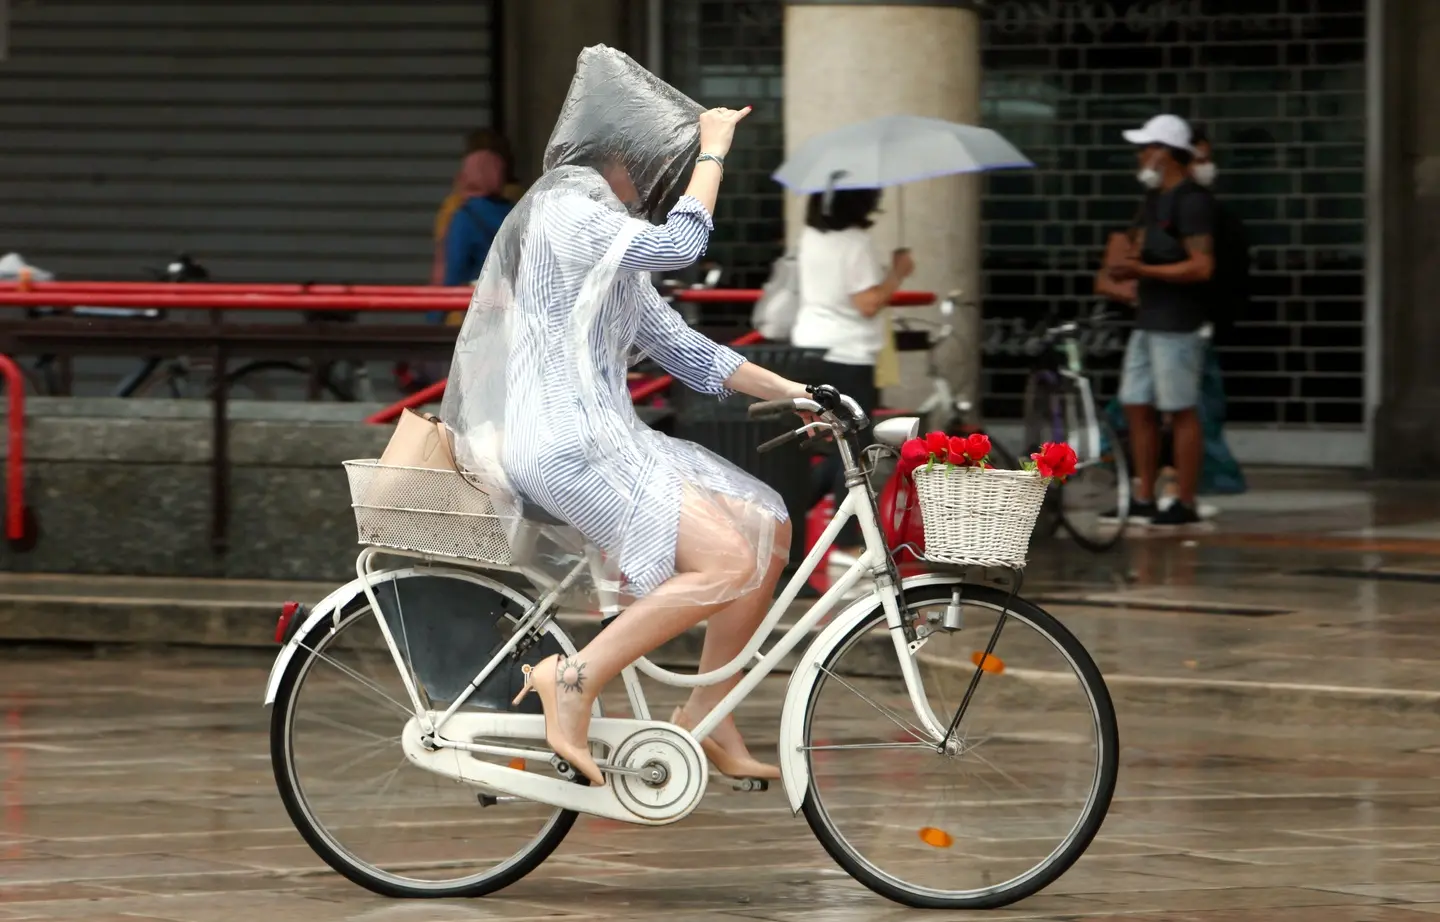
{"points": [[428, 511], [978, 518]]}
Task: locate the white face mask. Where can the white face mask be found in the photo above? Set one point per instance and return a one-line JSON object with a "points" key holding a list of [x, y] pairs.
{"points": [[1150, 176], [1204, 173]]}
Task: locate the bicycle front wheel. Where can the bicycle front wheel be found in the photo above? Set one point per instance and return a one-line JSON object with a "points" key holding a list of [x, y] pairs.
{"points": [[1010, 804], [354, 796]]}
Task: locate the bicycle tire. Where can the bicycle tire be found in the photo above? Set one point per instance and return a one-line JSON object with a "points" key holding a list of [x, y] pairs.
{"points": [[1084, 831], [1122, 496], [332, 853]]}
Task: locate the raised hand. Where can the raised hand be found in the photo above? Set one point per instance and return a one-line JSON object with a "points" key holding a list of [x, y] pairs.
{"points": [[717, 129]]}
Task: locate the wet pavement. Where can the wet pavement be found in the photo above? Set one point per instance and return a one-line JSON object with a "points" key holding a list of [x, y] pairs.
{"points": [[1274, 678]]}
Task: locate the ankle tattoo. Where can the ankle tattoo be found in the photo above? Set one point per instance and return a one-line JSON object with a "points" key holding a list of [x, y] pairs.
{"points": [[570, 675]]}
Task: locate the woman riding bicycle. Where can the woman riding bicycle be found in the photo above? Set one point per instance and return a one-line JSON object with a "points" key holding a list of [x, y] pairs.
{"points": [[540, 408]]}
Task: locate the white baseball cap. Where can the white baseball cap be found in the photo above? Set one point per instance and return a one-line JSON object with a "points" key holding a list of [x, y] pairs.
{"points": [[1170, 130]]}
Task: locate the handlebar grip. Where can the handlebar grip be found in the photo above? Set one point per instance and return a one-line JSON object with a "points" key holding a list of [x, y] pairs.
{"points": [[778, 441], [771, 409]]}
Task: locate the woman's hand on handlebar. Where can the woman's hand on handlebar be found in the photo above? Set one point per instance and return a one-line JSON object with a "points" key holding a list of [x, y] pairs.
{"points": [[763, 384]]}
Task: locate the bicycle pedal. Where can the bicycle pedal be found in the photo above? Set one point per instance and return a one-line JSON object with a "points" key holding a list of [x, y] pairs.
{"points": [[563, 768], [750, 785], [567, 771]]}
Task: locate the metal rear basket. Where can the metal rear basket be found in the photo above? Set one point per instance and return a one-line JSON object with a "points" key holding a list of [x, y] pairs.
{"points": [[428, 511], [979, 518]]}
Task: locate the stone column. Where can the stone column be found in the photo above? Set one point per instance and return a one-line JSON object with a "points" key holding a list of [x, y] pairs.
{"points": [[850, 60], [539, 44], [1407, 420]]}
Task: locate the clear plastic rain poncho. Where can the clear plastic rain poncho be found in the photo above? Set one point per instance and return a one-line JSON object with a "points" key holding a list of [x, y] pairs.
{"points": [[538, 397]]}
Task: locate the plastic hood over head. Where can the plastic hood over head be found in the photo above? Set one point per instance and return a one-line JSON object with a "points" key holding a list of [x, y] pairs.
{"points": [[617, 116]]}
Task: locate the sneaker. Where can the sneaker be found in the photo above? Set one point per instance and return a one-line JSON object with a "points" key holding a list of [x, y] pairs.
{"points": [[1140, 512], [1177, 514]]}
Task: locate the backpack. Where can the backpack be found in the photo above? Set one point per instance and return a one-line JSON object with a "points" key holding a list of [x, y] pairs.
{"points": [[779, 303], [1231, 282]]}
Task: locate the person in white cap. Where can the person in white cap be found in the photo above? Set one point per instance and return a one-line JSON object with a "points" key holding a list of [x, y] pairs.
{"points": [[1172, 258]]}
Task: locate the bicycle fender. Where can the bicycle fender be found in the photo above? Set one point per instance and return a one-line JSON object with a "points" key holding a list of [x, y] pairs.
{"points": [[794, 766], [336, 602]]}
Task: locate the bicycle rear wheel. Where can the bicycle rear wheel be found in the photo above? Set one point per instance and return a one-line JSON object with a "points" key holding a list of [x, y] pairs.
{"points": [[1017, 798], [349, 788]]}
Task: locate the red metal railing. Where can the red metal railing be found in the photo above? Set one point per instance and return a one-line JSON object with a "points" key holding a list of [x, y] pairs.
{"points": [[15, 460], [275, 297]]}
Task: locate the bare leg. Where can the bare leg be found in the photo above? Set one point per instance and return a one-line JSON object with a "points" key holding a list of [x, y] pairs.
{"points": [[1189, 453], [1145, 446], [712, 561], [726, 634]]}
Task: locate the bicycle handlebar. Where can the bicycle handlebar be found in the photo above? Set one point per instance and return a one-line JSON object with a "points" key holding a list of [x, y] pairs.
{"points": [[834, 415], [774, 409], [779, 440]]}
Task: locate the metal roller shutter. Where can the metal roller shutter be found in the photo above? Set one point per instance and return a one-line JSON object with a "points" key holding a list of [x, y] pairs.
{"points": [[276, 140]]}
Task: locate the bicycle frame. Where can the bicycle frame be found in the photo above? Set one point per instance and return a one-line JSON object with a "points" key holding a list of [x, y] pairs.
{"points": [[873, 562]]}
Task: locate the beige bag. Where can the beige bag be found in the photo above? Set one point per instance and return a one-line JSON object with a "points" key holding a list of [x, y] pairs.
{"points": [[420, 441]]}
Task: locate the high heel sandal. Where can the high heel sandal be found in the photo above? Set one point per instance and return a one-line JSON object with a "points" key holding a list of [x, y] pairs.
{"points": [[730, 766], [579, 758]]}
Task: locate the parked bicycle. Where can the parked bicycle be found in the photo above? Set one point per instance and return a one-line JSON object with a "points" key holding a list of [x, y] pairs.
{"points": [[951, 414], [193, 376], [983, 727], [1060, 406]]}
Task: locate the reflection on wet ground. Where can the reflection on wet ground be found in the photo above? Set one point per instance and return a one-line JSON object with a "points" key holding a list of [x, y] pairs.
{"points": [[1273, 675]]}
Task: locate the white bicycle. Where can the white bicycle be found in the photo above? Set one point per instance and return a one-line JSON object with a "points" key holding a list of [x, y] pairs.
{"points": [[951, 745]]}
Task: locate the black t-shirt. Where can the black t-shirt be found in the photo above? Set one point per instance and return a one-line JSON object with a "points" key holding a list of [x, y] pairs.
{"points": [[1166, 220]]}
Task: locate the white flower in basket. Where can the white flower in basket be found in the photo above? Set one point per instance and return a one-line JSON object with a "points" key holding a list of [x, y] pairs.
{"points": [[976, 515]]}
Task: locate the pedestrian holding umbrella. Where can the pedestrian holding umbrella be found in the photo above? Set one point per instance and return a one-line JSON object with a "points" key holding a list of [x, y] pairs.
{"points": [[895, 150]]}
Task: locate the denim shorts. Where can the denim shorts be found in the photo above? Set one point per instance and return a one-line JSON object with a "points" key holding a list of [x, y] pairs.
{"points": [[1162, 370]]}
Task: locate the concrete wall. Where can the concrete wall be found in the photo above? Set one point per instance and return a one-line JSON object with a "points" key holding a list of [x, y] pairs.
{"points": [[123, 486]]}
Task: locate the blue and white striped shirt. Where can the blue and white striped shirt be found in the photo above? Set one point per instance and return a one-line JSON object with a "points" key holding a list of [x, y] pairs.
{"points": [[573, 443]]}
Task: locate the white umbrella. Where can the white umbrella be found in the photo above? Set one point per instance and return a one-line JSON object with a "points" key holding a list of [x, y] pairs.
{"points": [[894, 150]]}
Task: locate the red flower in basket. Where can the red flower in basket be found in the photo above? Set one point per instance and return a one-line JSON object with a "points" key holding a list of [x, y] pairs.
{"points": [[977, 448], [913, 454], [956, 450], [1055, 459], [939, 445]]}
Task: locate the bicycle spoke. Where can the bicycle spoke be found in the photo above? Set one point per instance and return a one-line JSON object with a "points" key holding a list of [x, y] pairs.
{"points": [[893, 717], [364, 682], [838, 746], [334, 724]]}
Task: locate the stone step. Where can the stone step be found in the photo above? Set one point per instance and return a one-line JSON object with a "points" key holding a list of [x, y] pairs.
{"points": [[242, 614]]}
